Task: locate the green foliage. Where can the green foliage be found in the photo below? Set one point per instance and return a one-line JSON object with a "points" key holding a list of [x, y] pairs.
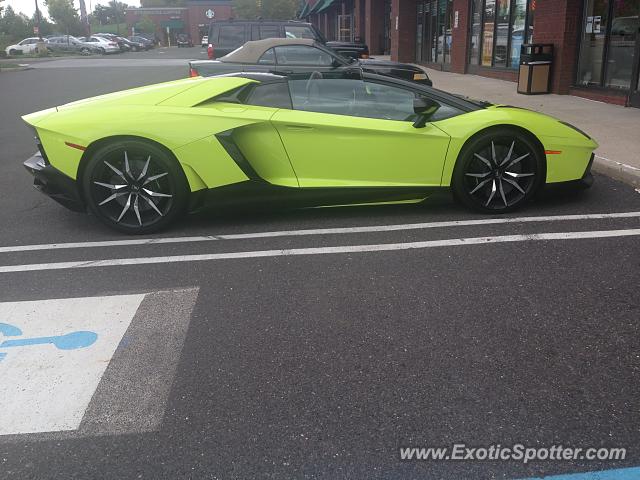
{"points": [[162, 3], [113, 13], [115, 28], [65, 16], [266, 9], [14, 26], [146, 25]]}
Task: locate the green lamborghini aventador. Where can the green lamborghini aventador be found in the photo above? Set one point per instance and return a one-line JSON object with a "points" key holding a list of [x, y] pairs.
{"points": [[140, 158]]}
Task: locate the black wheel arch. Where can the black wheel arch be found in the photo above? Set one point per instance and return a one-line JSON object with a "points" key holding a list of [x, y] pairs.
{"points": [[96, 145], [502, 128]]}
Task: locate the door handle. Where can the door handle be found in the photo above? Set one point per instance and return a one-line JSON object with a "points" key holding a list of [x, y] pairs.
{"points": [[299, 127]]}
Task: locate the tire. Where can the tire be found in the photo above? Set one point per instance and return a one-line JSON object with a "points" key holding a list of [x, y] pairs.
{"points": [[13, 52], [129, 197], [102, 51], [498, 171], [85, 51]]}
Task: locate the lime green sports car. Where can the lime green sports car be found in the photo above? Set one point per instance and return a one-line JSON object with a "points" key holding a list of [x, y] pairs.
{"points": [[140, 158]]}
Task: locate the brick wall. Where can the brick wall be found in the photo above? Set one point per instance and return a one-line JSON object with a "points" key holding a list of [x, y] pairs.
{"points": [[459, 36], [558, 22], [374, 26], [196, 16], [403, 39]]}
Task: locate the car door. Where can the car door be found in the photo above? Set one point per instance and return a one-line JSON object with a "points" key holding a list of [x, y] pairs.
{"points": [[349, 132]]}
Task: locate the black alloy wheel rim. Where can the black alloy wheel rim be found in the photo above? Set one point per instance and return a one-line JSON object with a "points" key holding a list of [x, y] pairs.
{"points": [[501, 173], [132, 189]]}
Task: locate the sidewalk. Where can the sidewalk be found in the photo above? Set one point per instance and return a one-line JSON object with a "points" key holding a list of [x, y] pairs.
{"points": [[615, 128]]}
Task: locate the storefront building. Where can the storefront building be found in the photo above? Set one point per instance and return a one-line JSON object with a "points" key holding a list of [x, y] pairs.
{"points": [[192, 19], [596, 42]]}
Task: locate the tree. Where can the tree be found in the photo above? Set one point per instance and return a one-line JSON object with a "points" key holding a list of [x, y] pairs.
{"points": [[267, 9], [146, 25], [65, 16], [14, 25]]}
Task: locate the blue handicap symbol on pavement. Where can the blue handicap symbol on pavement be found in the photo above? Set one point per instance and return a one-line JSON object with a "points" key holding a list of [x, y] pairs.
{"points": [[69, 341]]}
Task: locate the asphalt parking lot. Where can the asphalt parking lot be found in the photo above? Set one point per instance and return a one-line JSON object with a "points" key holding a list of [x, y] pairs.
{"points": [[312, 343]]}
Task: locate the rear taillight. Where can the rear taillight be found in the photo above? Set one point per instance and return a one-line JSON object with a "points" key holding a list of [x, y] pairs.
{"points": [[193, 72], [211, 53]]}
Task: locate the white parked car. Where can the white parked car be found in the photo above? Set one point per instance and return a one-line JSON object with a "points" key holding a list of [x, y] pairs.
{"points": [[103, 45], [28, 45]]}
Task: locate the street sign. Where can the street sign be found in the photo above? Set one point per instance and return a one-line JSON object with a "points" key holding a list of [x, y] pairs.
{"points": [[36, 30], [210, 13]]}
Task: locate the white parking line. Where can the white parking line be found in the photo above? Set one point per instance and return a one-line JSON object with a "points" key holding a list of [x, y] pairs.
{"points": [[321, 250], [316, 231]]}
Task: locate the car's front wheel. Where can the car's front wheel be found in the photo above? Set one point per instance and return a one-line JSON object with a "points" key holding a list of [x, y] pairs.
{"points": [[498, 171], [134, 186]]}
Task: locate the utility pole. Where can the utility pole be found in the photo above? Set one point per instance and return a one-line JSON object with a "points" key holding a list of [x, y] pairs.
{"points": [[84, 18], [38, 21]]}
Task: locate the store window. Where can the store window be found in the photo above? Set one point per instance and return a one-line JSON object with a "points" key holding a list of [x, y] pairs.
{"points": [[433, 31], [476, 18], [498, 30], [622, 43], [608, 43]]}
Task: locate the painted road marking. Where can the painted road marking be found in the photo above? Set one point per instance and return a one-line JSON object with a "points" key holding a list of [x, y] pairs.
{"points": [[68, 341], [321, 250], [317, 231], [47, 389], [617, 474], [134, 378]]}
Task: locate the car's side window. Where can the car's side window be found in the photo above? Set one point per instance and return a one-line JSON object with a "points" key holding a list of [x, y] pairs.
{"points": [[302, 55], [231, 35], [268, 58], [352, 97], [297, 31], [269, 31], [275, 95]]}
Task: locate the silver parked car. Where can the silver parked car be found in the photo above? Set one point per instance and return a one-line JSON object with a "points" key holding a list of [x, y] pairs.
{"points": [[102, 44], [68, 43]]}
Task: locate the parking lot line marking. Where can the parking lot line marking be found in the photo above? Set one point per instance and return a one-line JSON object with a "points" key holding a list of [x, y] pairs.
{"points": [[316, 231], [321, 250], [632, 473]]}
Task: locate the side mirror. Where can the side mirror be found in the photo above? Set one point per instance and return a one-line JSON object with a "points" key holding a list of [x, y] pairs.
{"points": [[424, 108], [335, 63]]}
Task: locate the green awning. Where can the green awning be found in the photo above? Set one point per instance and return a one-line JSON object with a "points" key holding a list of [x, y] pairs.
{"points": [[173, 24], [305, 10], [322, 5]]}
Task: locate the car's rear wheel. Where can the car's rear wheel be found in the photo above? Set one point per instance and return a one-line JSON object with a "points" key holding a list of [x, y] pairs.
{"points": [[134, 186], [498, 171], [85, 51]]}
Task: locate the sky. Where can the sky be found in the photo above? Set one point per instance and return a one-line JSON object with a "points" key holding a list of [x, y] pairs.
{"points": [[29, 6]]}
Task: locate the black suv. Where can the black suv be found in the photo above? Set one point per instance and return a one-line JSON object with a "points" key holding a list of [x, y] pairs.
{"points": [[227, 35]]}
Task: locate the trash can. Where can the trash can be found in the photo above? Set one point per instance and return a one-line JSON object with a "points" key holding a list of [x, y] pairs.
{"points": [[536, 60]]}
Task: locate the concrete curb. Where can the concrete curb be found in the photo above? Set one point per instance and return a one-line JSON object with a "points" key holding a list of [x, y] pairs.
{"points": [[618, 171]]}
